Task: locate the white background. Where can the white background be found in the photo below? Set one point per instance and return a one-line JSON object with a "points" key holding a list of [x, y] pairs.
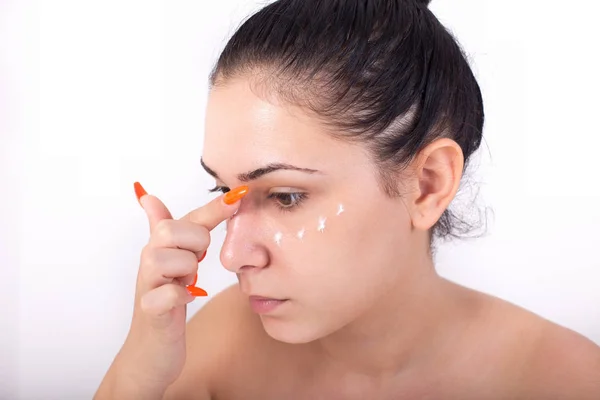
{"points": [[95, 95]]}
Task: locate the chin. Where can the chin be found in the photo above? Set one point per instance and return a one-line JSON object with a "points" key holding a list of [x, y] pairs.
{"points": [[293, 331]]}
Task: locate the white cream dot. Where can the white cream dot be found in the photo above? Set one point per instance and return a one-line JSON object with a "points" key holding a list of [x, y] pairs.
{"points": [[278, 237], [321, 227]]}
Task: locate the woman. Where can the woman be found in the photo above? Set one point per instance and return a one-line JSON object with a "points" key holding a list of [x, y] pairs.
{"points": [[339, 131]]}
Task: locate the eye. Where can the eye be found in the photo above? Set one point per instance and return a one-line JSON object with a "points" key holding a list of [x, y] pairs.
{"points": [[287, 201]]}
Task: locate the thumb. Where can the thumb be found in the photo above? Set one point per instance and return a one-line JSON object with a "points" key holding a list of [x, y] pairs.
{"points": [[217, 210], [154, 208]]}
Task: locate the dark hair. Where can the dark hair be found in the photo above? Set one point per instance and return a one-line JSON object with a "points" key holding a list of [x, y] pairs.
{"points": [[383, 72]]}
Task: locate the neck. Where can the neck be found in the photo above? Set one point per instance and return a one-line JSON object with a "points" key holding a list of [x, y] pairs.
{"points": [[399, 331]]}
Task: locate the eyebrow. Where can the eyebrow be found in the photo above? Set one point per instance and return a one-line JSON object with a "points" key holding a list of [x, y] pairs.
{"points": [[259, 172]]}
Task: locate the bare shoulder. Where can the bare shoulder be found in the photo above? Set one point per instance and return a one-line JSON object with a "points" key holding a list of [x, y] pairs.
{"points": [[565, 365], [217, 336], [549, 361], [511, 352]]}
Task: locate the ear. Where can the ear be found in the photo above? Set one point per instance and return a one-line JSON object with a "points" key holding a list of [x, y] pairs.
{"points": [[438, 171]]}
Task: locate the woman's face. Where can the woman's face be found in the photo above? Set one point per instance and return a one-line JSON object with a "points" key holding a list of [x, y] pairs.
{"points": [[315, 228]]}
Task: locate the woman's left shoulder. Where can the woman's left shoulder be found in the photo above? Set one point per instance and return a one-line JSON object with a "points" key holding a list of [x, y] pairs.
{"points": [[564, 364], [553, 361]]}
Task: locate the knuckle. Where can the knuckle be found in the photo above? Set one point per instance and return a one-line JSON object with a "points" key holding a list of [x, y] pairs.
{"points": [[164, 230], [191, 267], [144, 306], [148, 257], [154, 263], [203, 236], [171, 294]]}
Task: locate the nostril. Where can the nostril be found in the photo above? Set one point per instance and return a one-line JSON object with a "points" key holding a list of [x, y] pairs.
{"points": [[246, 268]]}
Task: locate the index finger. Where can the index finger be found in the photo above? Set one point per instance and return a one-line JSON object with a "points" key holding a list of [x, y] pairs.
{"points": [[216, 211]]}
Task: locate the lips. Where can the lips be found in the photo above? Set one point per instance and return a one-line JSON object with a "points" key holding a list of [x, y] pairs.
{"points": [[263, 298], [265, 305]]}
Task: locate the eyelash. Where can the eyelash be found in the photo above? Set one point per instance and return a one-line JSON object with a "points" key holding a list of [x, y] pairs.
{"points": [[300, 197]]}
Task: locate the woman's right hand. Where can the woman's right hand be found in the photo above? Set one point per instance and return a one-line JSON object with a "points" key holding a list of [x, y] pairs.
{"points": [[153, 354]]}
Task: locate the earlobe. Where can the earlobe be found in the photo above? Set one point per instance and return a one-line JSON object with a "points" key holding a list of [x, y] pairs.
{"points": [[439, 171]]}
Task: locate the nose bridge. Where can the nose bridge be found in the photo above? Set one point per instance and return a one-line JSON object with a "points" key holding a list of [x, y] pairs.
{"points": [[242, 245], [240, 223], [243, 219]]}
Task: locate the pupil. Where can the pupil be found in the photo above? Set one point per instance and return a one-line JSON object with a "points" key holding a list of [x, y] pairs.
{"points": [[286, 200]]}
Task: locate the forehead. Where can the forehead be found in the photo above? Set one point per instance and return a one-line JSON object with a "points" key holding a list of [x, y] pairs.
{"points": [[247, 128]]}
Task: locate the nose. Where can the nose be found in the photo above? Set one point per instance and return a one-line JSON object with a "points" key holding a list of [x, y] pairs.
{"points": [[242, 249]]}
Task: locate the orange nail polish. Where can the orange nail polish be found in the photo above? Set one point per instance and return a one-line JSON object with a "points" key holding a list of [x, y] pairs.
{"points": [[196, 291], [139, 191], [202, 256], [235, 194]]}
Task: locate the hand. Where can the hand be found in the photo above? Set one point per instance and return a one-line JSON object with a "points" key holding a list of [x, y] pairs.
{"points": [[153, 355]]}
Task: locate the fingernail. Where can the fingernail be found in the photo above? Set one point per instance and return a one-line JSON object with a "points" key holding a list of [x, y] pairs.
{"points": [[139, 191], [202, 256], [196, 291], [235, 194]]}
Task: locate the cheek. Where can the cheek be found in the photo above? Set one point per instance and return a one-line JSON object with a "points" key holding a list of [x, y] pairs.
{"points": [[320, 248], [350, 248], [308, 240], [341, 241]]}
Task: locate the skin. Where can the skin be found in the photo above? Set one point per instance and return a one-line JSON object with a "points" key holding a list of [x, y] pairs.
{"points": [[366, 315]]}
